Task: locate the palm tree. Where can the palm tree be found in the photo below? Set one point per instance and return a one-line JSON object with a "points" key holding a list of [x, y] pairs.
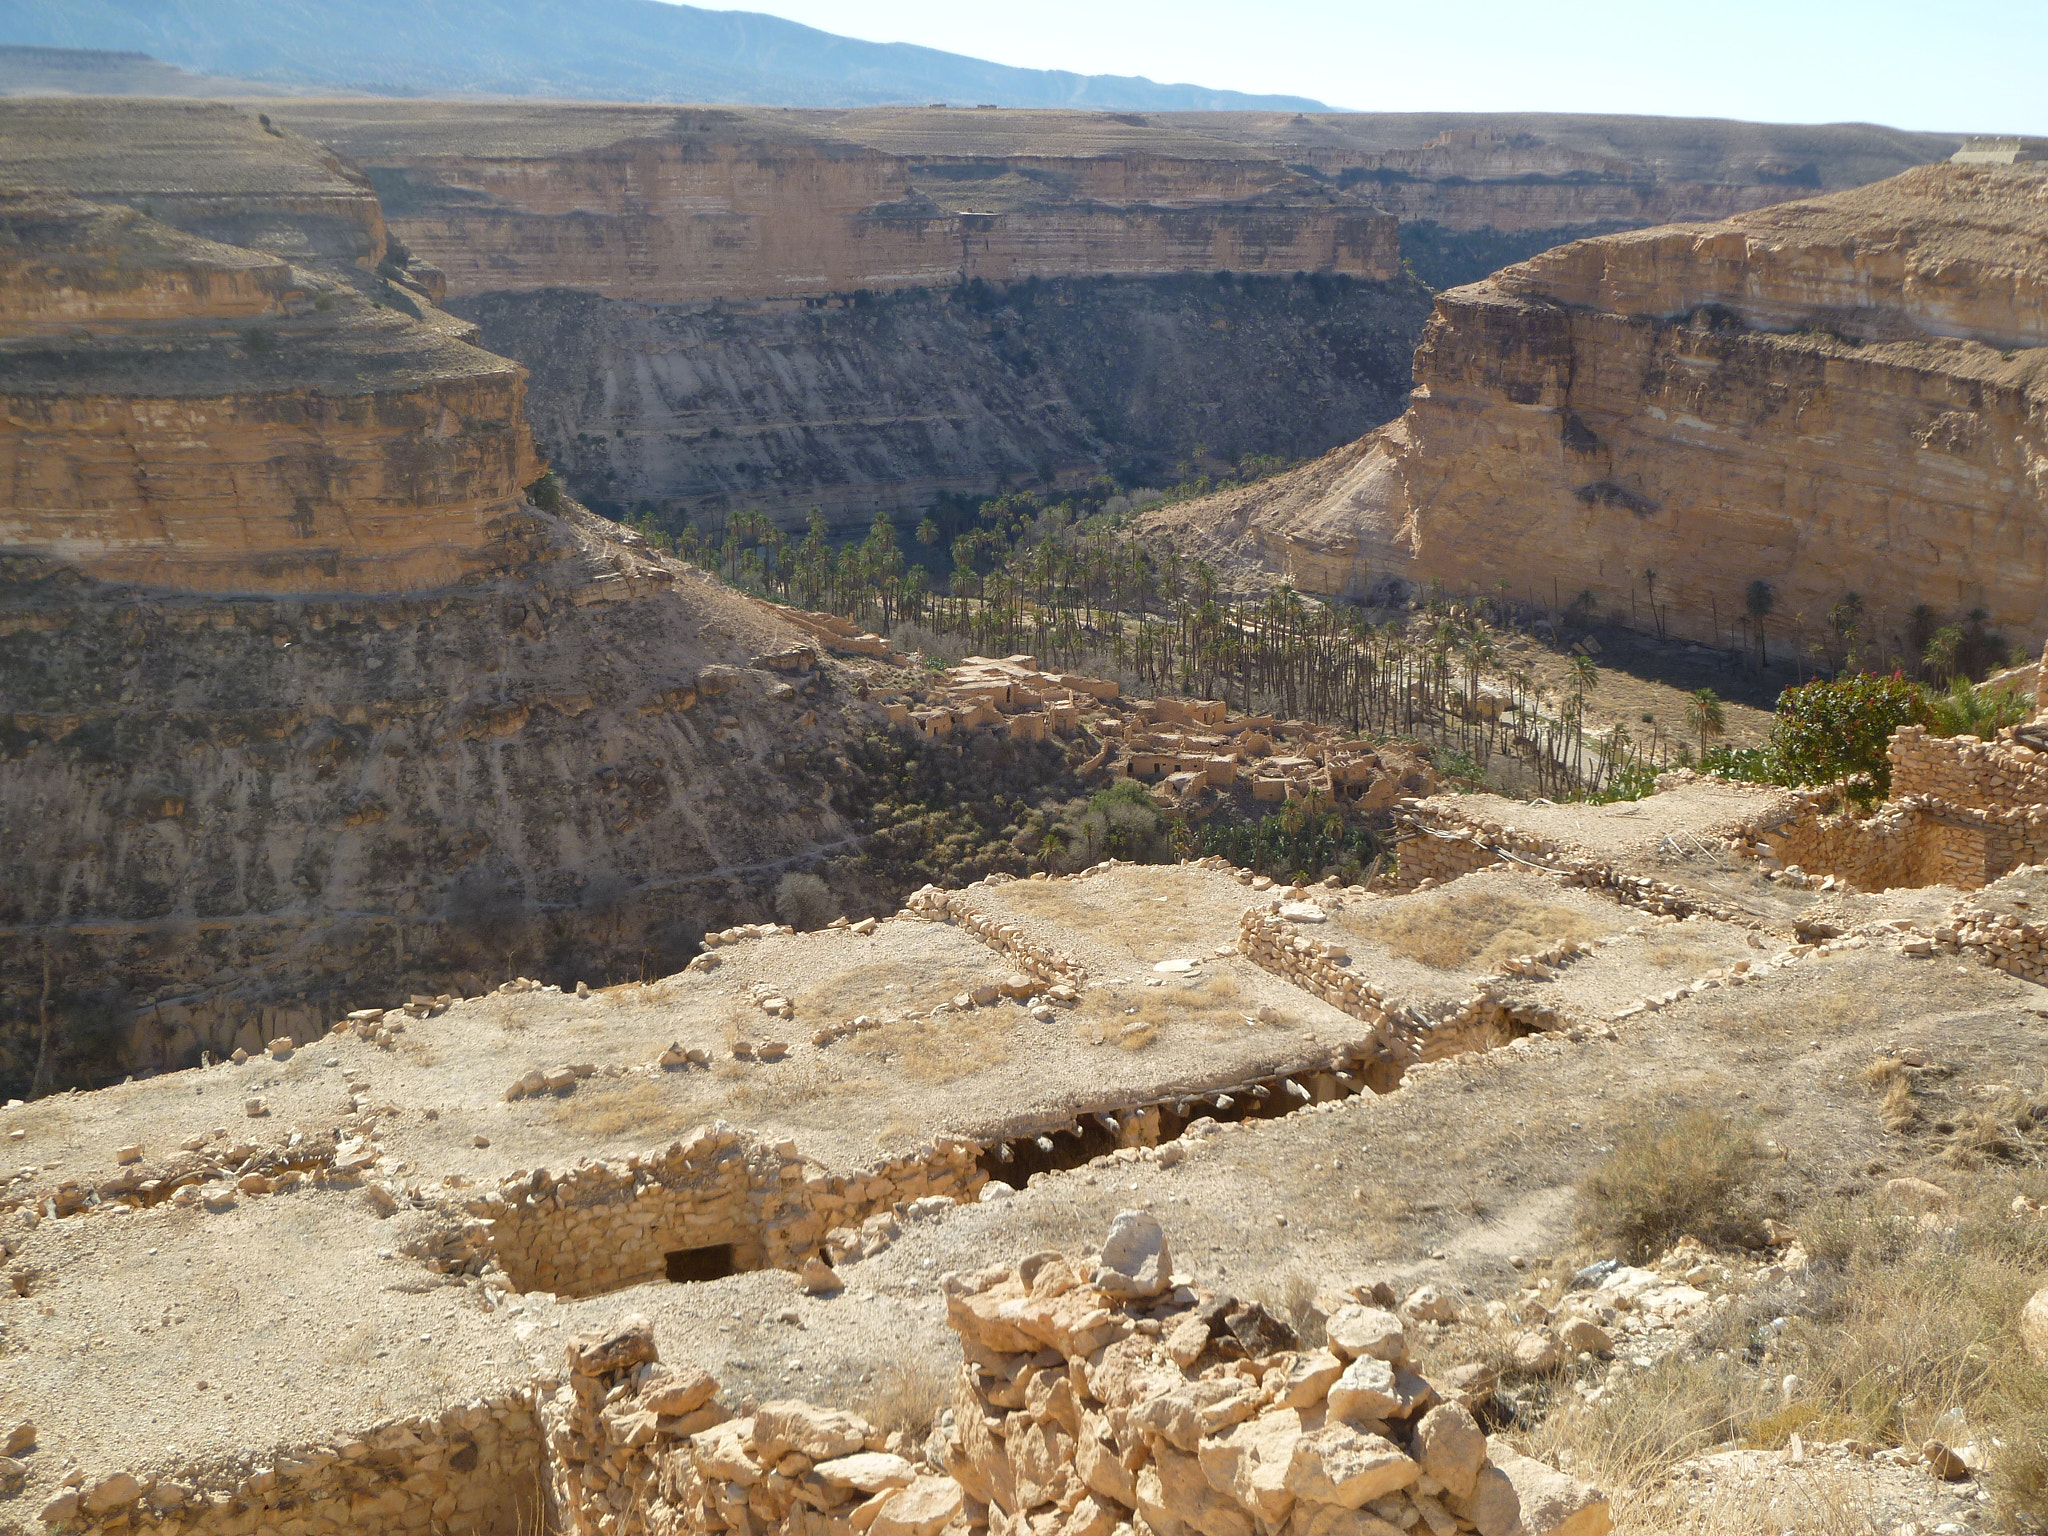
{"points": [[1704, 717], [1760, 599]]}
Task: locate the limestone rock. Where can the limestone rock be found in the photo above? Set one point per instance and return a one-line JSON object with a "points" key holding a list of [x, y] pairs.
{"points": [[1135, 1259], [678, 1390], [819, 1278], [1355, 1332], [2034, 1326], [823, 1434], [1341, 1465], [1365, 1392], [1430, 1304], [1250, 1462], [922, 1509], [1335, 1520], [868, 1471], [1546, 1501], [1174, 1492], [1536, 1352], [1452, 1447]]}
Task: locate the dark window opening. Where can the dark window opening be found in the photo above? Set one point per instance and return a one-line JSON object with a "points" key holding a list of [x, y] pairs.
{"points": [[691, 1264]]}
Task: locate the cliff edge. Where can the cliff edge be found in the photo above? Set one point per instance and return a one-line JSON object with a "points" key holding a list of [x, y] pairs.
{"points": [[1840, 397]]}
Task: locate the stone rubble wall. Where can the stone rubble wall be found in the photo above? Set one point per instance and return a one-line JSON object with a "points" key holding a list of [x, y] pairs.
{"points": [[1091, 1400], [607, 1225], [1458, 843], [1912, 841], [1006, 939], [1997, 939], [1967, 772], [473, 1469], [1403, 1035]]}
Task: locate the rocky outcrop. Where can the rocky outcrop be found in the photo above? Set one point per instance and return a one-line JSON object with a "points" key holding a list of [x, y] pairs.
{"points": [[1847, 395], [669, 206], [184, 413], [231, 819]]}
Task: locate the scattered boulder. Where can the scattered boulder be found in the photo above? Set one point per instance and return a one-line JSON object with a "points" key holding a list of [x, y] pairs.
{"points": [[1135, 1260], [1430, 1304], [1356, 1332], [2034, 1326]]}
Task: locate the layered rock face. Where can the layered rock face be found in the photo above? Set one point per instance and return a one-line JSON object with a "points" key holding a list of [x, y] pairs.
{"points": [[668, 206], [680, 376], [300, 699], [878, 408], [1847, 395], [180, 412], [231, 818]]}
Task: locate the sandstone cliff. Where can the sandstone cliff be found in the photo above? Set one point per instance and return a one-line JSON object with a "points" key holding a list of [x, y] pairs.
{"points": [[1842, 395], [182, 412], [669, 205], [301, 700]]}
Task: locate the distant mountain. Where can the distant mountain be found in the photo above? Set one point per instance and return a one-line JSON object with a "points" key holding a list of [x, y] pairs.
{"points": [[608, 50]]}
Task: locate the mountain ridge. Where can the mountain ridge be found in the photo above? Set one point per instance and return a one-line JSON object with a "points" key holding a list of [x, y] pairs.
{"points": [[608, 50]]}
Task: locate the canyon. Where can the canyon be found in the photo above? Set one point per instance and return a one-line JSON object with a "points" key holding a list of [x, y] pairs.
{"points": [[1820, 424], [432, 1122], [300, 694], [729, 309]]}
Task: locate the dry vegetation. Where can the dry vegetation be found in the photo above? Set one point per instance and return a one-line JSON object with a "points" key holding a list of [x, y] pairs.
{"points": [[884, 987], [633, 1107], [1696, 1175], [906, 1396], [1145, 912], [941, 1050], [1903, 1330], [1457, 930]]}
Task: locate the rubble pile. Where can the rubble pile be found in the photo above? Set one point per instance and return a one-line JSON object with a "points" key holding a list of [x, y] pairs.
{"points": [[1186, 748], [1098, 1395]]}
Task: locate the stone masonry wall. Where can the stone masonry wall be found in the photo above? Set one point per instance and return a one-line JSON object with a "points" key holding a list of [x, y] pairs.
{"points": [[1965, 771], [1048, 965], [474, 1469], [607, 1225], [1405, 1035]]}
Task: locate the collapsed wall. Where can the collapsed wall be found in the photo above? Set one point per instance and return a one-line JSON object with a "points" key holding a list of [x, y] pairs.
{"points": [[1097, 1392]]}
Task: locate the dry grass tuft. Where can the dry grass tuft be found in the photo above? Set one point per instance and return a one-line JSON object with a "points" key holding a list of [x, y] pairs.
{"points": [[906, 1396], [1456, 931], [785, 1085], [1695, 1175], [1901, 1332], [1212, 1000], [943, 1049], [1151, 913], [606, 1109]]}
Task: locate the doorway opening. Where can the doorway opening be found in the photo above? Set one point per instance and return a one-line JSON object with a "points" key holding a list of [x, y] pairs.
{"points": [[687, 1265]]}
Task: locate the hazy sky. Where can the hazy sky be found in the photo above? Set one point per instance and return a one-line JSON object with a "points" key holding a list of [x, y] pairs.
{"points": [[1931, 64]]}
